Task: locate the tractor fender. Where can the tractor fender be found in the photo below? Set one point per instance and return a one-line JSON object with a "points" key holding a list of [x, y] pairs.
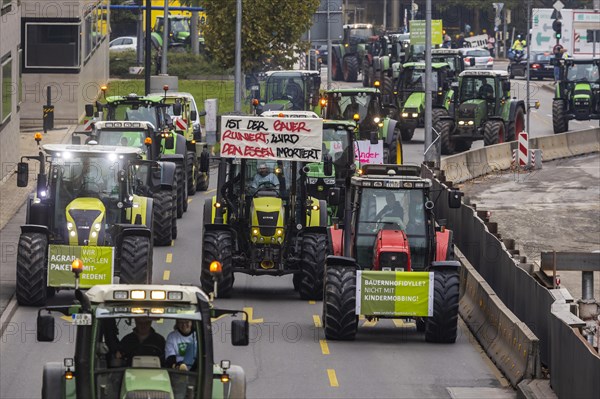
{"points": [[341, 261], [37, 213], [385, 63], [391, 126], [134, 230], [167, 176], [338, 51], [52, 380], [314, 230], [335, 238], [445, 265], [514, 105], [35, 228], [377, 64], [175, 158], [156, 40], [443, 245], [181, 145]]}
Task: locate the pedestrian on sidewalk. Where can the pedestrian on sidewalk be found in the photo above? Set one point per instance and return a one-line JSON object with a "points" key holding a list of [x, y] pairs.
{"points": [[491, 44]]}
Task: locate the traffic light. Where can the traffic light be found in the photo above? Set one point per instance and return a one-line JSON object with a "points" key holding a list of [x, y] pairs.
{"points": [[557, 27]]}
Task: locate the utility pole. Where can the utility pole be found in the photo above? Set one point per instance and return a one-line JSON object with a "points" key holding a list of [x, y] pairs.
{"points": [[384, 14], [528, 60], [140, 34], [165, 45], [431, 143], [504, 33], [329, 58], [237, 102], [148, 66]]}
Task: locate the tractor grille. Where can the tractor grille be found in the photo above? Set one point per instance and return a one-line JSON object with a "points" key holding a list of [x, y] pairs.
{"points": [[83, 221], [468, 110], [147, 395], [393, 260], [267, 221], [318, 190]]}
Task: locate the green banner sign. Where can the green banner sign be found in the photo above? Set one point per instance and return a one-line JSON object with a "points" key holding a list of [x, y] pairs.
{"points": [[417, 32], [394, 293], [97, 265]]}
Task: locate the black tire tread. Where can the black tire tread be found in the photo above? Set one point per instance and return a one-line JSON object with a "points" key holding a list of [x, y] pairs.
{"points": [[442, 327], [559, 120], [191, 163], [444, 128], [136, 260], [340, 321], [163, 218], [491, 132], [31, 281], [313, 254], [217, 245], [350, 68]]}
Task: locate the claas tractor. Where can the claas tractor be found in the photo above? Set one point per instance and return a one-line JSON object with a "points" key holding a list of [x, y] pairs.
{"points": [[172, 147], [104, 366], [392, 259], [411, 95], [288, 91], [577, 93], [92, 202], [482, 109], [262, 220], [371, 111], [141, 135], [347, 57]]}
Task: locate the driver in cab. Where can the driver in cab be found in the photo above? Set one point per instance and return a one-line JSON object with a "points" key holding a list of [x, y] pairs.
{"points": [[143, 341], [264, 177]]}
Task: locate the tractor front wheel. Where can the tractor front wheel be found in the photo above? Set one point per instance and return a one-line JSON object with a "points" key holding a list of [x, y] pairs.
{"points": [[204, 177], [407, 134], [192, 171], [559, 119], [443, 127], [350, 68], [31, 287], [395, 147], [179, 182], [163, 218], [365, 74], [136, 260], [217, 245], [442, 326], [336, 67], [517, 125], [493, 132], [340, 321], [314, 251]]}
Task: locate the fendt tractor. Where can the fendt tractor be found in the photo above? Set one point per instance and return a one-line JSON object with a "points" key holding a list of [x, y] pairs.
{"points": [[262, 221], [371, 111], [347, 57], [577, 93], [92, 202], [453, 57], [172, 146], [411, 94], [180, 38], [288, 91], [102, 368], [482, 109], [393, 260], [142, 135]]}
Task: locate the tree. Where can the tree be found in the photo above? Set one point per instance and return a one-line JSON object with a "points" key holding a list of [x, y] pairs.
{"points": [[271, 30]]}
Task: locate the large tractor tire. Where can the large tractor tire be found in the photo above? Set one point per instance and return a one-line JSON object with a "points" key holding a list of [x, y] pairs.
{"points": [[442, 326], [31, 287], [407, 134], [191, 164], [394, 147], [444, 128], [179, 182], [163, 218], [366, 78], [204, 178], [350, 68], [340, 321], [217, 245], [517, 125], [387, 86], [136, 260], [336, 67], [559, 119], [312, 261], [493, 132]]}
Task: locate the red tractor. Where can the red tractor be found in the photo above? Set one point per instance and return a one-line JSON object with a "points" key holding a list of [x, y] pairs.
{"points": [[392, 260]]}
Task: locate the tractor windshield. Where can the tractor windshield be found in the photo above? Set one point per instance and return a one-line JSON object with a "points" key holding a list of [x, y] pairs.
{"points": [[414, 80], [477, 87], [286, 87], [361, 33], [169, 359], [180, 25], [343, 106], [583, 73], [127, 138], [263, 175], [136, 112], [391, 209], [337, 144]]}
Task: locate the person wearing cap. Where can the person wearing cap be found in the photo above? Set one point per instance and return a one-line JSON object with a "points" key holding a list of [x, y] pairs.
{"points": [[264, 177]]}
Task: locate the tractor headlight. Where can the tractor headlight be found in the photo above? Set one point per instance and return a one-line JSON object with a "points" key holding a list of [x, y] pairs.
{"points": [[470, 123], [73, 234], [405, 114], [414, 114], [461, 122], [94, 234], [69, 226], [255, 232], [279, 232], [97, 226], [376, 119], [329, 180]]}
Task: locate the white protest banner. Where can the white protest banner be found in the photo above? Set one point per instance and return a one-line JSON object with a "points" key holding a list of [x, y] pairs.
{"points": [[288, 139], [365, 152]]}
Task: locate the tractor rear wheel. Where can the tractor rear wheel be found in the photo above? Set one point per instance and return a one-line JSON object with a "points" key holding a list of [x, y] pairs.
{"points": [[517, 125], [559, 119], [192, 171], [365, 73], [136, 260], [493, 132], [350, 68], [442, 326], [31, 288], [179, 182], [336, 67], [444, 128], [217, 245], [392, 157], [204, 177], [387, 86], [163, 218], [340, 321], [313, 253]]}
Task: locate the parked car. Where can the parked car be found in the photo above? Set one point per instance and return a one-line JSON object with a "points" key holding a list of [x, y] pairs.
{"points": [[482, 57], [539, 66], [123, 43]]}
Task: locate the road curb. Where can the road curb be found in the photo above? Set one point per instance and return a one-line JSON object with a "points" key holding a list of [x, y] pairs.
{"points": [[8, 313], [534, 389]]}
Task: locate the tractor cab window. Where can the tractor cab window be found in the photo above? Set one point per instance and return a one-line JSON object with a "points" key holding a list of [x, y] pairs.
{"points": [[336, 143], [583, 73], [129, 112], [267, 176], [179, 25], [124, 138], [354, 103], [361, 33], [382, 209], [478, 88], [288, 88], [450, 60]]}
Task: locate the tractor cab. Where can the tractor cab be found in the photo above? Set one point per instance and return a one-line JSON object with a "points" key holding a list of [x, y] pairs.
{"points": [[453, 57], [481, 94], [290, 90]]}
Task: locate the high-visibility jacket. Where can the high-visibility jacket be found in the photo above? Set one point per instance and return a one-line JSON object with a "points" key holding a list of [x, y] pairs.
{"points": [[517, 45]]}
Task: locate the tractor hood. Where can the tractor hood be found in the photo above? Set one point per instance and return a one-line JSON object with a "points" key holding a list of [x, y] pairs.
{"points": [[415, 102], [267, 217], [147, 383], [277, 105], [85, 221], [391, 250], [472, 109], [316, 170]]}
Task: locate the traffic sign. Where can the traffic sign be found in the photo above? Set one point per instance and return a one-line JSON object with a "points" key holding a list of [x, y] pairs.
{"points": [[498, 6], [558, 5], [417, 31]]}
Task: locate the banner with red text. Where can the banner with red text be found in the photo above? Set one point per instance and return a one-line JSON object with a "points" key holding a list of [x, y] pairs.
{"points": [[365, 152], [288, 139]]}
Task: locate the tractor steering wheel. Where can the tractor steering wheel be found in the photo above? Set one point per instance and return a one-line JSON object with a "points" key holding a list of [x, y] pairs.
{"points": [[268, 186]]}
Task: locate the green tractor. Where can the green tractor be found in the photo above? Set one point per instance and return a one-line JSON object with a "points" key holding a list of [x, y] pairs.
{"points": [[577, 94], [179, 33], [102, 367], [263, 222], [170, 146], [371, 110], [453, 57], [393, 49], [288, 91], [142, 135], [92, 202], [347, 57], [482, 109], [393, 260], [411, 95]]}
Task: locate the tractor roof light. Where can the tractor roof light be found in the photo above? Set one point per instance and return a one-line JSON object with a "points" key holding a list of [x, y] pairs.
{"points": [[138, 294], [323, 102], [104, 88], [37, 137], [215, 267], [376, 83], [175, 295], [376, 119], [77, 267], [121, 295], [158, 295], [281, 115], [148, 141], [255, 101], [356, 117]]}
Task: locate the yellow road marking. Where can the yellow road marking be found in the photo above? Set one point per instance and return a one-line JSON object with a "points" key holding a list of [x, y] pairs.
{"points": [[370, 323], [172, 243], [190, 200], [166, 275], [399, 323], [332, 378], [169, 258], [324, 347], [210, 191], [317, 320], [312, 302], [67, 318], [251, 318]]}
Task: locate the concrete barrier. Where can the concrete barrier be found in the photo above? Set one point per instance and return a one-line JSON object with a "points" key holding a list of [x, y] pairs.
{"points": [[499, 157], [455, 167], [477, 162], [553, 147], [584, 142], [508, 342]]}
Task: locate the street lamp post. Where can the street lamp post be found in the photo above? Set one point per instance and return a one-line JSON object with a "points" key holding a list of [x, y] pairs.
{"points": [[237, 99]]}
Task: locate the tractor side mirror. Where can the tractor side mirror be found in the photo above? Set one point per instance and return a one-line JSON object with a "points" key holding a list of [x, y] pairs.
{"points": [[373, 139], [89, 110], [472, 61], [327, 165], [45, 328], [99, 106], [177, 109], [22, 174], [333, 196], [193, 115], [239, 333], [202, 113], [170, 141], [454, 197], [75, 139]]}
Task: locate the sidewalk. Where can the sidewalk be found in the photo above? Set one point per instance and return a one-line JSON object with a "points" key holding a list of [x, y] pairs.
{"points": [[12, 199]]}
